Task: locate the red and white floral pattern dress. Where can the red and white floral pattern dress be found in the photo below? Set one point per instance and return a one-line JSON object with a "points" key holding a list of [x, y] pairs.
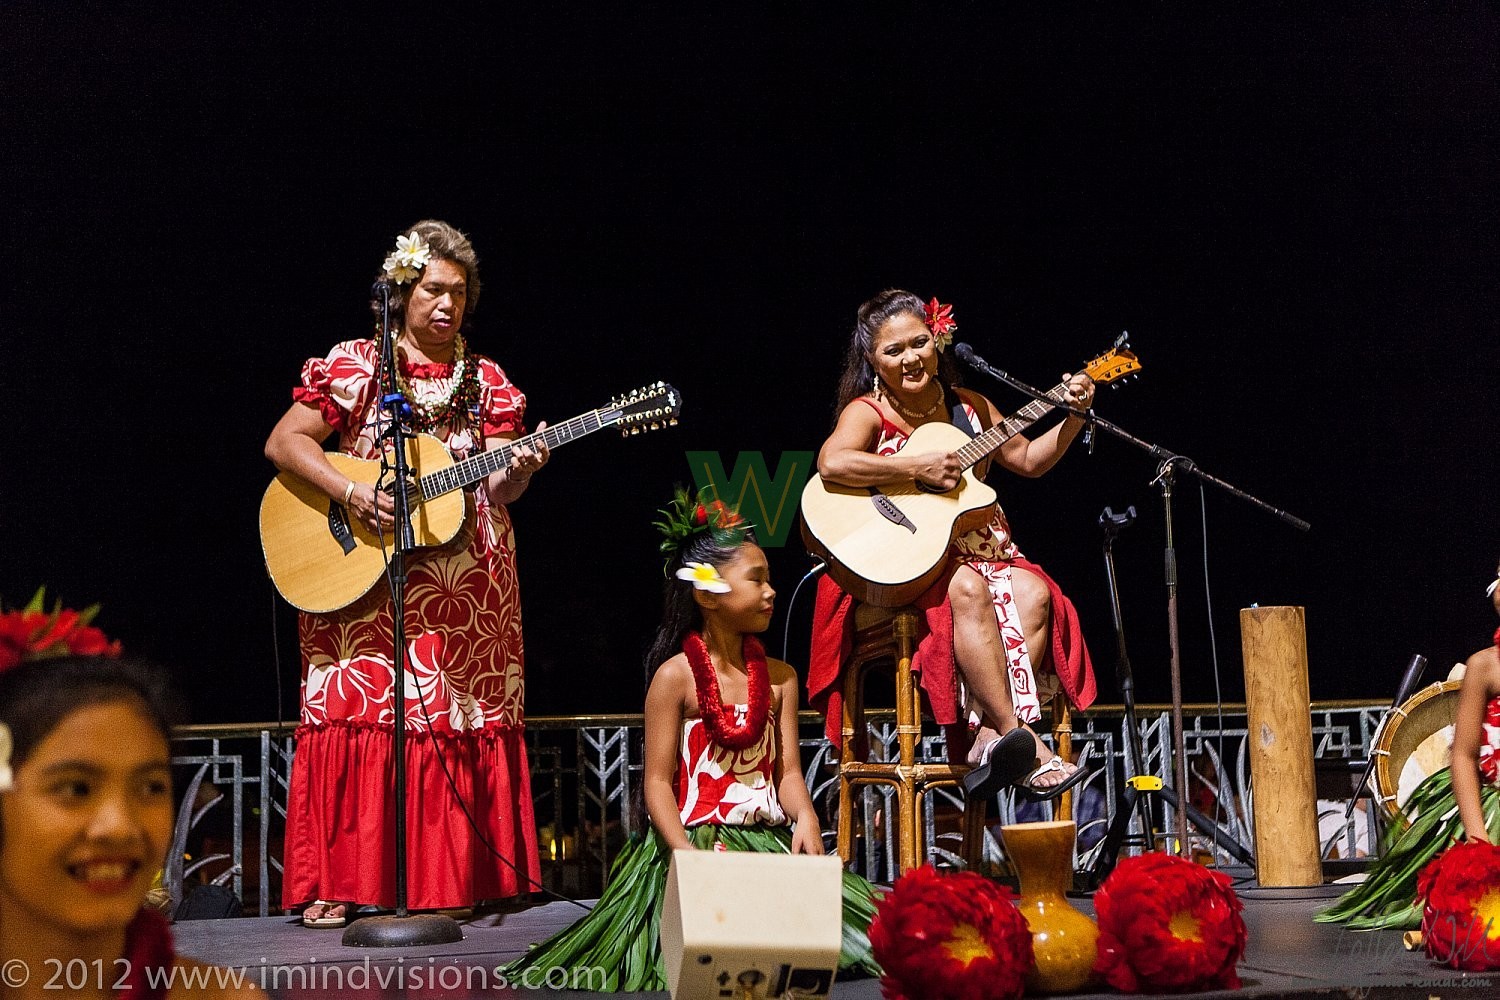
{"points": [[727, 787], [1489, 748], [464, 687], [986, 550]]}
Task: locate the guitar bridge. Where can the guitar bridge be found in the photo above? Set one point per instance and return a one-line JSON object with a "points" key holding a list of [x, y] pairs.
{"points": [[888, 510], [338, 526]]}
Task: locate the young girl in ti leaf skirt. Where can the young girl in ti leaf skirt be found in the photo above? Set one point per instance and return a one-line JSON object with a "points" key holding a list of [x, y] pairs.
{"points": [[722, 770]]}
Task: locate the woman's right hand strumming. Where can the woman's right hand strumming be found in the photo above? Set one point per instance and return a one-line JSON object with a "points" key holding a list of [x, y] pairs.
{"points": [[942, 470]]}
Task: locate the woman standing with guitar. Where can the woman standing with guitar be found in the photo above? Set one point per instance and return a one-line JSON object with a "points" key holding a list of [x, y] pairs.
{"points": [[995, 616], [464, 680]]}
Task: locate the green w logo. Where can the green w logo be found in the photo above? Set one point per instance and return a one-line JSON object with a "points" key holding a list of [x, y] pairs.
{"points": [[770, 503]]}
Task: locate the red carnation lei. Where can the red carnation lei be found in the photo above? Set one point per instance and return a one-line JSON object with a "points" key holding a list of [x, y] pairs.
{"points": [[1460, 894], [1168, 924], [950, 937]]}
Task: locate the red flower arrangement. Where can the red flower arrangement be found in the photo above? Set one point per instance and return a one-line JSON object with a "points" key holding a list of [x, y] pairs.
{"points": [[940, 321], [1460, 894], [34, 634], [950, 937], [1167, 924]]}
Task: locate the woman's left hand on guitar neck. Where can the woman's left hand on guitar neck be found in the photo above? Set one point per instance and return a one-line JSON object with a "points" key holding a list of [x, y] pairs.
{"points": [[507, 486]]}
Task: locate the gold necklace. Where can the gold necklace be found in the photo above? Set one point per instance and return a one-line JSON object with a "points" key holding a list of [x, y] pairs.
{"points": [[912, 415]]}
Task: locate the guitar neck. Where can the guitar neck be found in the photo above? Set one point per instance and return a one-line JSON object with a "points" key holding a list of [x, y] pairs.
{"points": [[975, 451], [476, 467]]}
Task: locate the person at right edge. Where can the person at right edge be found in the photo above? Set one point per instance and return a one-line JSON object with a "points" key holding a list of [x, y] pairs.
{"points": [[1461, 800]]}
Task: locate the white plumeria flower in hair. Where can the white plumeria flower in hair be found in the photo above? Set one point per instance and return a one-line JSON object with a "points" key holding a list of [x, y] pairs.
{"points": [[411, 251], [5, 779], [1490, 591], [703, 576], [399, 272]]}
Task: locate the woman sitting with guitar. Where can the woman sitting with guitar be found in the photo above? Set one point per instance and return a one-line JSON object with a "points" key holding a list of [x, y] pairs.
{"points": [[995, 616], [464, 677]]}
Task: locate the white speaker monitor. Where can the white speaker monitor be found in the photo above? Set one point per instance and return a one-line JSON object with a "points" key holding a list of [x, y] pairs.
{"points": [[742, 925]]}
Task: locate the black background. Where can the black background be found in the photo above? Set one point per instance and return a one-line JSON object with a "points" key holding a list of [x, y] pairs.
{"points": [[1292, 211]]}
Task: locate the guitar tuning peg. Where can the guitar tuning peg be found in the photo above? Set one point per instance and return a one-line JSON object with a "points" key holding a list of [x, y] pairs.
{"points": [[672, 422]]}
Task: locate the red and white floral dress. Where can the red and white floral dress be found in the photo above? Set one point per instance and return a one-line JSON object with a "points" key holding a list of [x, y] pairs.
{"points": [[987, 550], [727, 787], [1489, 747], [464, 687]]}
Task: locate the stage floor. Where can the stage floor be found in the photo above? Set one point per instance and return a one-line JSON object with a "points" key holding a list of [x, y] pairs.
{"points": [[1288, 956]]}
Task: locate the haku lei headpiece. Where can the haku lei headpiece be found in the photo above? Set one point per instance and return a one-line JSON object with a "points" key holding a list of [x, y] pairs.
{"points": [[34, 634], [406, 262], [940, 322], [686, 518]]}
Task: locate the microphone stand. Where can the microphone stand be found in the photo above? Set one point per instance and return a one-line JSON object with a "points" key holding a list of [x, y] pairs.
{"points": [[404, 929], [1135, 795], [1169, 466]]}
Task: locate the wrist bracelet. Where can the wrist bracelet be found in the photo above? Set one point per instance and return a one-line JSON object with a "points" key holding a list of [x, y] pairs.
{"points": [[349, 492]]}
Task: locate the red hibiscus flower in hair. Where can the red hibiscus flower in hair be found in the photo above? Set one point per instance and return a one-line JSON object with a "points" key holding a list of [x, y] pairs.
{"points": [[940, 321], [34, 634], [950, 937], [1168, 925], [1460, 894]]}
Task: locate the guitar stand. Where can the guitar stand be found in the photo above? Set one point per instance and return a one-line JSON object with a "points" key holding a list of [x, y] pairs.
{"points": [[1140, 789]]}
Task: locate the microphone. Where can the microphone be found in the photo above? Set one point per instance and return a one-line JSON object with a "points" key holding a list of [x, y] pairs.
{"points": [[380, 288], [965, 353]]}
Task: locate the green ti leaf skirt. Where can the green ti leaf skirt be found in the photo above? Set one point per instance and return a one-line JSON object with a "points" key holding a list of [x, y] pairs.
{"points": [[1387, 899], [620, 934]]}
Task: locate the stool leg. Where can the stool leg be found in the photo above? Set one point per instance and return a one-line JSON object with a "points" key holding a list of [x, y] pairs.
{"points": [[908, 729], [1062, 739], [851, 729]]}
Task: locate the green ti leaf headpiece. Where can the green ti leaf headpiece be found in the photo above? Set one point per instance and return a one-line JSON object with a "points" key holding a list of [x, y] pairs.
{"points": [[686, 518]]}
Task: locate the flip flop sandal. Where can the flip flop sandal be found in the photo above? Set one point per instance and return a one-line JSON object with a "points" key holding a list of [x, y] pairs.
{"points": [[1028, 790], [1006, 761], [324, 920]]}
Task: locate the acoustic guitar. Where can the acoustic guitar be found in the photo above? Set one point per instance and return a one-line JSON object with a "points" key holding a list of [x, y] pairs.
{"points": [[885, 545], [322, 558]]}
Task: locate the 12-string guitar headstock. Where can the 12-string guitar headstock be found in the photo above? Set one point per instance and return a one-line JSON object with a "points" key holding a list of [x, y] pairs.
{"points": [[648, 408]]}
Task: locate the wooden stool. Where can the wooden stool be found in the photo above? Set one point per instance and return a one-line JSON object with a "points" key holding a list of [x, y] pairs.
{"points": [[882, 635]]}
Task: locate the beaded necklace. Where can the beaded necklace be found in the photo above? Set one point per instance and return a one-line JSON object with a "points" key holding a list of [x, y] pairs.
{"points": [[710, 703], [462, 396], [912, 415]]}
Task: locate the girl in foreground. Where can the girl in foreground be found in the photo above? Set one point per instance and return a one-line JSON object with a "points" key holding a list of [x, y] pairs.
{"points": [[85, 821], [1460, 800], [722, 769]]}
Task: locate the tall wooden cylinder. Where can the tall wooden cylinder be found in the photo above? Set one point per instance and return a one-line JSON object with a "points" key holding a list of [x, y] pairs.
{"points": [[1280, 745]]}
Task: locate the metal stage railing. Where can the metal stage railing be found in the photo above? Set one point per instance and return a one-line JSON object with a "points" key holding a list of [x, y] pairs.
{"points": [[586, 776]]}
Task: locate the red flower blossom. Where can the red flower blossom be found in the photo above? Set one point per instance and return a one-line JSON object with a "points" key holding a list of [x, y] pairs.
{"points": [[950, 937], [33, 634], [1460, 894], [700, 515], [940, 321], [1169, 925], [723, 516]]}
